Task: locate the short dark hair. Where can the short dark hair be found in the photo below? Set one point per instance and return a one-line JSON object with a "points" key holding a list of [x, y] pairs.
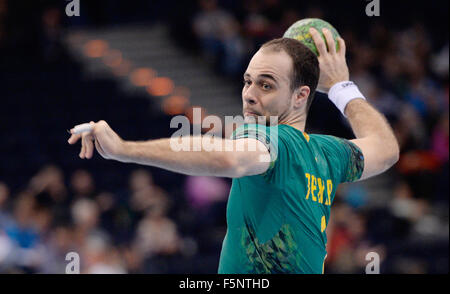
{"points": [[305, 64]]}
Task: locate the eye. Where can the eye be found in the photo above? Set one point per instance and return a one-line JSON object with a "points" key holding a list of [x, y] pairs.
{"points": [[247, 82], [266, 86]]}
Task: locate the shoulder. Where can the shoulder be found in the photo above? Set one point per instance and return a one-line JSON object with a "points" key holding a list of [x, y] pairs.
{"points": [[347, 156], [330, 142], [336, 146]]}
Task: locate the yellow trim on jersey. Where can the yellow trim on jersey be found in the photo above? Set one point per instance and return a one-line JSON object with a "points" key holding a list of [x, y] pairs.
{"points": [[306, 136]]}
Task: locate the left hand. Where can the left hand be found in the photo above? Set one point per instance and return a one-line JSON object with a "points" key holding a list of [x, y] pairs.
{"points": [[333, 66], [106, 141]]}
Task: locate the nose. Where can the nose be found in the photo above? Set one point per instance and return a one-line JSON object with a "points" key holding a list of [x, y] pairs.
{"points": [[248, 96]]}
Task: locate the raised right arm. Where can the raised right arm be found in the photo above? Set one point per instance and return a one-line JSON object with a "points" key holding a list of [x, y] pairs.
{"points": [[374, 137], [373, 134]]}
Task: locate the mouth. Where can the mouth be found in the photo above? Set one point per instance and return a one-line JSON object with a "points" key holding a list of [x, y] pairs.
{"points": [[247, 113]]}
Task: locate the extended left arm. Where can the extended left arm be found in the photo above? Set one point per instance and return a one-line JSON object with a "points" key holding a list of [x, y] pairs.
{"points": [[219, 162], [224, 160]]}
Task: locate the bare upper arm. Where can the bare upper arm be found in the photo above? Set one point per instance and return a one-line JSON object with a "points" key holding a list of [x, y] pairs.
{"points": [[248, 156], [376, 158]]}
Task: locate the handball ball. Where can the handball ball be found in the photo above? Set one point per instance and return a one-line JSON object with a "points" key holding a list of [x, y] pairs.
{"points": [[300, 31]]}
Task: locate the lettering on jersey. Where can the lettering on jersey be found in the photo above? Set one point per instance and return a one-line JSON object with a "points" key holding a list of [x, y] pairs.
{"points": [[321, 185], [313, 187], [308, 176], [329, 190], [323, 224], [318, 184]]}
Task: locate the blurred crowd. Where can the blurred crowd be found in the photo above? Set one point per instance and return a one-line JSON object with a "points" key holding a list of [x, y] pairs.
{"points": [[129, 219], [129, 231]]}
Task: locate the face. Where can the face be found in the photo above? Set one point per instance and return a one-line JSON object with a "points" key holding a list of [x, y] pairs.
{"points": [[267, 90]]}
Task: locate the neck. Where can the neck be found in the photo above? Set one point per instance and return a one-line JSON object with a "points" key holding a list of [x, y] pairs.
{"points": [[295, 119], [295, 122]]}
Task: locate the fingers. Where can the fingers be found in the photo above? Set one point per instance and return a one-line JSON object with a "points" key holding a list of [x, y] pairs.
{"points": [[320, 44], [330, 41], [74, 138], [341, 47], [83, 149], [89, 143], [90, 139], [76, 135], [89, 148]]}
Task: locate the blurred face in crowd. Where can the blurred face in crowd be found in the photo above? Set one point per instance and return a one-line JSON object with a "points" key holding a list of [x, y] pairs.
{"points": [[82, 182], [4, 194], [267, 88], [140, 179]]}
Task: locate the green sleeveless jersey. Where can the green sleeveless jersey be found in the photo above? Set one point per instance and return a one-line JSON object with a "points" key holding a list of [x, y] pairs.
{"points": [[276, 221]]}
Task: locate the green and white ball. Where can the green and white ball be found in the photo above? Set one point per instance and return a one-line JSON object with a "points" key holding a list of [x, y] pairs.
{"points": [[300, 31]]}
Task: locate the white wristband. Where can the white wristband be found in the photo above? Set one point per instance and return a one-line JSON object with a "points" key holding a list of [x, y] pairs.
{"points": [[342, 93]]}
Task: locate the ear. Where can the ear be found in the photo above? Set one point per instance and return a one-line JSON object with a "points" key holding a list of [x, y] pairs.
{"points": [[300, 96]]}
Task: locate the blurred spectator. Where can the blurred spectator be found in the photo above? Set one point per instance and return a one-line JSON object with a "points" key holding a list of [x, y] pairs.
{"points": [[145, 195], [440, 62], [82, 184], [4, 197], [218, 33], [50, 179], [202, 192], [51, 22], [25, 249], [100, 257], [439, 138], [156, 235]]}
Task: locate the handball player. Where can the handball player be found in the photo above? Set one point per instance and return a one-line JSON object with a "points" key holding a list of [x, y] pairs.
{"points": [[278, 209]]}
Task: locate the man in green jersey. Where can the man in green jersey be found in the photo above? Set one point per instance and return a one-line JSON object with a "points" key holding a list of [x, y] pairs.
{"points": [[278, 209]]}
